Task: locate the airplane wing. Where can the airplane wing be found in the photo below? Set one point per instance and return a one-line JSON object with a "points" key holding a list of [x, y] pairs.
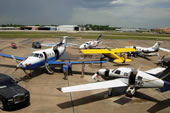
{"points": [[95, 51], [155, 71], [123, 50], [163, 49], [54, 44], [92, 86], [100, 51], [11, 56], [78, 62]]}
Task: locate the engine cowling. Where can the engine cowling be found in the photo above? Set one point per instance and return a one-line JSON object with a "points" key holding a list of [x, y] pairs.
{"points": [[132, 82]]}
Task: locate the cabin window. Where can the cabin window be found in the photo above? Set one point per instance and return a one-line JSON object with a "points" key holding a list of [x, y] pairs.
{"points": [[117, 72]]}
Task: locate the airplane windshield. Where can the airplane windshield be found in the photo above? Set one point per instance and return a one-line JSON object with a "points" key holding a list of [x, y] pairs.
{"points": [[37, 55], [87, 43]]}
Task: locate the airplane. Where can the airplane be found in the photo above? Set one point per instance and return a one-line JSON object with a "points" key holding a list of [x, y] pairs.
{"points": [[111, 53], [91, 44], [144, 51], [129, 79], [45, 57]]}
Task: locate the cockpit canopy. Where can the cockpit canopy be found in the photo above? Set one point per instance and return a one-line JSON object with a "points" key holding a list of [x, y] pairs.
{"points": [[88, 43], [39, 55]]}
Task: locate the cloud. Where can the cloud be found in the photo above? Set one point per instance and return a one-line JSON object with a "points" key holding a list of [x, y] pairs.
{"points": [[125, 13]]}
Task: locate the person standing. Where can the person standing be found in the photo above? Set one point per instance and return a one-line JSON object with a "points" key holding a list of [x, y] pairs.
{"points": [[65, 71], [69, 68]]}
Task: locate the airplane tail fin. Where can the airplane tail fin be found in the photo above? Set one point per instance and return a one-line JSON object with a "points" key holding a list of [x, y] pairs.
{"points": [[64, 42], [165, 88], [156, 45], [99, 37]]}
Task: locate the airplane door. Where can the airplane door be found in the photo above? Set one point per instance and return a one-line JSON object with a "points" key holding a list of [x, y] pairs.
{"points": [[47, 65], [106, 74], [56, 52], [45, 56]]}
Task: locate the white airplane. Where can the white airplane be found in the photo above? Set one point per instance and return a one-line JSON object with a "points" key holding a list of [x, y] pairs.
{"points": [[45, 58], [129, 78], [143, 51], [91, 44]]}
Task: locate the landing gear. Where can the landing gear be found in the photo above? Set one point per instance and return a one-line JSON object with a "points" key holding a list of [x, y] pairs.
{"points": [[29, 75], [1, 105], [48, 69], [110, 94], [130, 91]]}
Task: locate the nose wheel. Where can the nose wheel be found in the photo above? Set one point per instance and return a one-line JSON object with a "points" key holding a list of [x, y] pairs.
{"points": [[130, 91]]}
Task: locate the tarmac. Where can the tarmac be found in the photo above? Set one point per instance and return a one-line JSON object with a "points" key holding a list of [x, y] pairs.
{"points": [[45, 98]]}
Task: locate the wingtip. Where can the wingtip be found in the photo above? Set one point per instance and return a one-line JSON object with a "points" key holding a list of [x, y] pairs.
{"points": [[60, 89]]}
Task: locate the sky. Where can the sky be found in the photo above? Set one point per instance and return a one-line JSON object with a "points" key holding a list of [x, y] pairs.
{"points": [[115, 13]]}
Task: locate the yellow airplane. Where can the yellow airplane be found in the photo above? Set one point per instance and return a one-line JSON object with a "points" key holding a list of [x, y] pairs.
{"points": [[111, 53]]}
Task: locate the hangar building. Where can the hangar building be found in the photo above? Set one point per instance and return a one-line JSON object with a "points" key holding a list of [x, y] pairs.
{"points": [[51, 28], [29, 28], [68, 28]]}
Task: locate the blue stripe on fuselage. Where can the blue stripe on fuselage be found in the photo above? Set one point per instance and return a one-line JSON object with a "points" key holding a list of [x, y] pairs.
{"points": [[42, 62], [38, 64]]}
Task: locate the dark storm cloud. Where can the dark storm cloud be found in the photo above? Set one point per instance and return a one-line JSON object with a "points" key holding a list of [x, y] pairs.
{"points": [[35, 11], [111, 12]]}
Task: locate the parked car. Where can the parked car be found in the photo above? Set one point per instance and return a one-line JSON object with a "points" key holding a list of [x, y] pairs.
{"points": [[11, 94], [13, 45], [36, 45]]}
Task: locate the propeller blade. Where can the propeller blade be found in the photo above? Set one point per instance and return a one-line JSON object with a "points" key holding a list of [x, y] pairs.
{"points": [[15, 70], [163, 57], [15, 59]]}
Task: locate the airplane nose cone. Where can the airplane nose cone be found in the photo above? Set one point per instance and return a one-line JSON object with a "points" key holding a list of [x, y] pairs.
{"points": [[102, 72], [20, 65], [82, 47]]}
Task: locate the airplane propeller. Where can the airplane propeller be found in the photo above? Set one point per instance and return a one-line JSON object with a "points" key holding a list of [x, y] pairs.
{"points": [[160, 61], [15, 59]]}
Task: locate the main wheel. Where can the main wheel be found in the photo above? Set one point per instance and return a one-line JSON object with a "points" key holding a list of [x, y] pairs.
{"points": [[110, 94], [1, 105]]}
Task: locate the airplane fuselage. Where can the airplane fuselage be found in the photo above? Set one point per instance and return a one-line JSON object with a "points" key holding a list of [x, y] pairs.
{"points": [[39, 58], [146, 50], [90, 44], [140, 79]]}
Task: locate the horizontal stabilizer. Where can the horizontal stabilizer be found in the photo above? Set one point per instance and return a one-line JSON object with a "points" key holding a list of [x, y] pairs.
{"points": [[92, 86], [10, 56], [166, 87], [166, 50]]}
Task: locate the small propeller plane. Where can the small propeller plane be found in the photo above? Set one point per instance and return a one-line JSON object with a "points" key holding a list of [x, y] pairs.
{"points": [[143, 51], [129, 78], [111, 53], [91, 44], [45, 57]]}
